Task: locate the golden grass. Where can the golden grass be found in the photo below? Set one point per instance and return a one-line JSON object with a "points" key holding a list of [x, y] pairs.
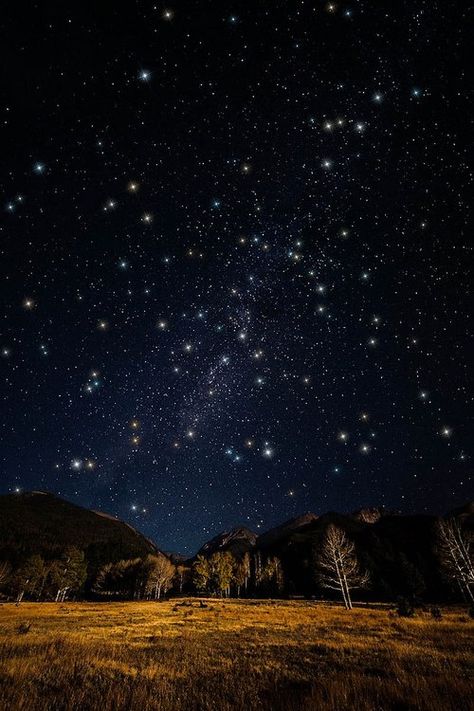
{"points": [[244, 655]]}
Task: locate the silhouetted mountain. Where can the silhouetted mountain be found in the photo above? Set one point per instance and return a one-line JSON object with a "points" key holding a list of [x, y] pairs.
{"points": [[274, 535], [399, 551], [238, 541], [465, 513], [369, 515], [39, 522]]}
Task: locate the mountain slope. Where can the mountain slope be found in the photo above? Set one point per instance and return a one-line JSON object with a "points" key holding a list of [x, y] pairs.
{"points": [[238, 541], [277, 534], [39, 522]]}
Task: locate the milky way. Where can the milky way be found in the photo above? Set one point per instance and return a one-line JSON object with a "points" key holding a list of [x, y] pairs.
{"points": [[235, 255]]}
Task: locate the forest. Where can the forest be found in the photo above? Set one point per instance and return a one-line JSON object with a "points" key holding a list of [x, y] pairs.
{"points": [[333, 569]]}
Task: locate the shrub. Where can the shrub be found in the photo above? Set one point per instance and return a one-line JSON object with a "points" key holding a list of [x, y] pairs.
{"points": [[405, 608]]}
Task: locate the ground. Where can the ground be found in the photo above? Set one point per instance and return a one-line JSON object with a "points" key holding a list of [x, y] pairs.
{"points": [[232, 655]]}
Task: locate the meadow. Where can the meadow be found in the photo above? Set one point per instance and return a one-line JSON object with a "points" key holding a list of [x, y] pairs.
{"points": [[224, 655]]}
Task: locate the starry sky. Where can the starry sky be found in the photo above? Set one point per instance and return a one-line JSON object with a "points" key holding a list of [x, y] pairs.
{"points": [[235, 259]]}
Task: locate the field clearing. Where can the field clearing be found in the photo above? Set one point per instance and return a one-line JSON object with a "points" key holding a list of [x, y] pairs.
{"points": [[232, 655]]}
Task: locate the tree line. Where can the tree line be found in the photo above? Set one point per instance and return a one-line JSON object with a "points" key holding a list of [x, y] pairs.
{"points": [[335, 566]]}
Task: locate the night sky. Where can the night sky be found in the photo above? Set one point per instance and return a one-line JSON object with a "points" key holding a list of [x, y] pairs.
{"points": [[234, 254]]}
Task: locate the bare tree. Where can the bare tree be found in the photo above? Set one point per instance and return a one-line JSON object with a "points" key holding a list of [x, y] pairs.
{"points": [[456, 551], [182, 572], [160, 575], [337, 567]]}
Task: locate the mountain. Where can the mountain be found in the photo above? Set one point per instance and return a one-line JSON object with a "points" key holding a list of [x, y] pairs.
{"points": [[238, 541], [399, 551], [39, 522], [369, 515], [275, 535]]}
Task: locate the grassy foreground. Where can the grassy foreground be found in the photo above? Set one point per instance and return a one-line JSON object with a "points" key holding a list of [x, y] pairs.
{"points": [[231, 655]]}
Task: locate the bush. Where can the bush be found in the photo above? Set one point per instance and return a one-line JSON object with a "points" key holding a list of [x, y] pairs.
{"points": [[405, 608]]}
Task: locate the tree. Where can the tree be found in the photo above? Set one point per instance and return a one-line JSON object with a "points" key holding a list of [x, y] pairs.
{"points": [[5, 571], [456, 552], [257, 569], [68, 574], [125, 578], [245, 566], [28, 577], [272, 575], [337, 567], [201, 573], [103, 581], [160, 573], [240, 576], [412, 582], [181, 576], [221, 570]]}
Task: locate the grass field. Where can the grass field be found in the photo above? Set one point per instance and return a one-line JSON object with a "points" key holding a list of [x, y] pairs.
{"points": [[231, 655]]}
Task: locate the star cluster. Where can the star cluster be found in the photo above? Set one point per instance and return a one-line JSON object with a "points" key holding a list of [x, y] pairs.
{"points": [[235, 254]]}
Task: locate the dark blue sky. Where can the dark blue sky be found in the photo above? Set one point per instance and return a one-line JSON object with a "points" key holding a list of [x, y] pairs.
{"points": [[235, 255]]}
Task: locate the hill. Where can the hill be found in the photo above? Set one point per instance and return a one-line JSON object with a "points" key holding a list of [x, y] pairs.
{"points": [[39, 522], [238, 541]]}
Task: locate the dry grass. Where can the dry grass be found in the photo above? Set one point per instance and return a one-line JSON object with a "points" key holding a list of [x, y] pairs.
{"points": [[231, 655]]}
